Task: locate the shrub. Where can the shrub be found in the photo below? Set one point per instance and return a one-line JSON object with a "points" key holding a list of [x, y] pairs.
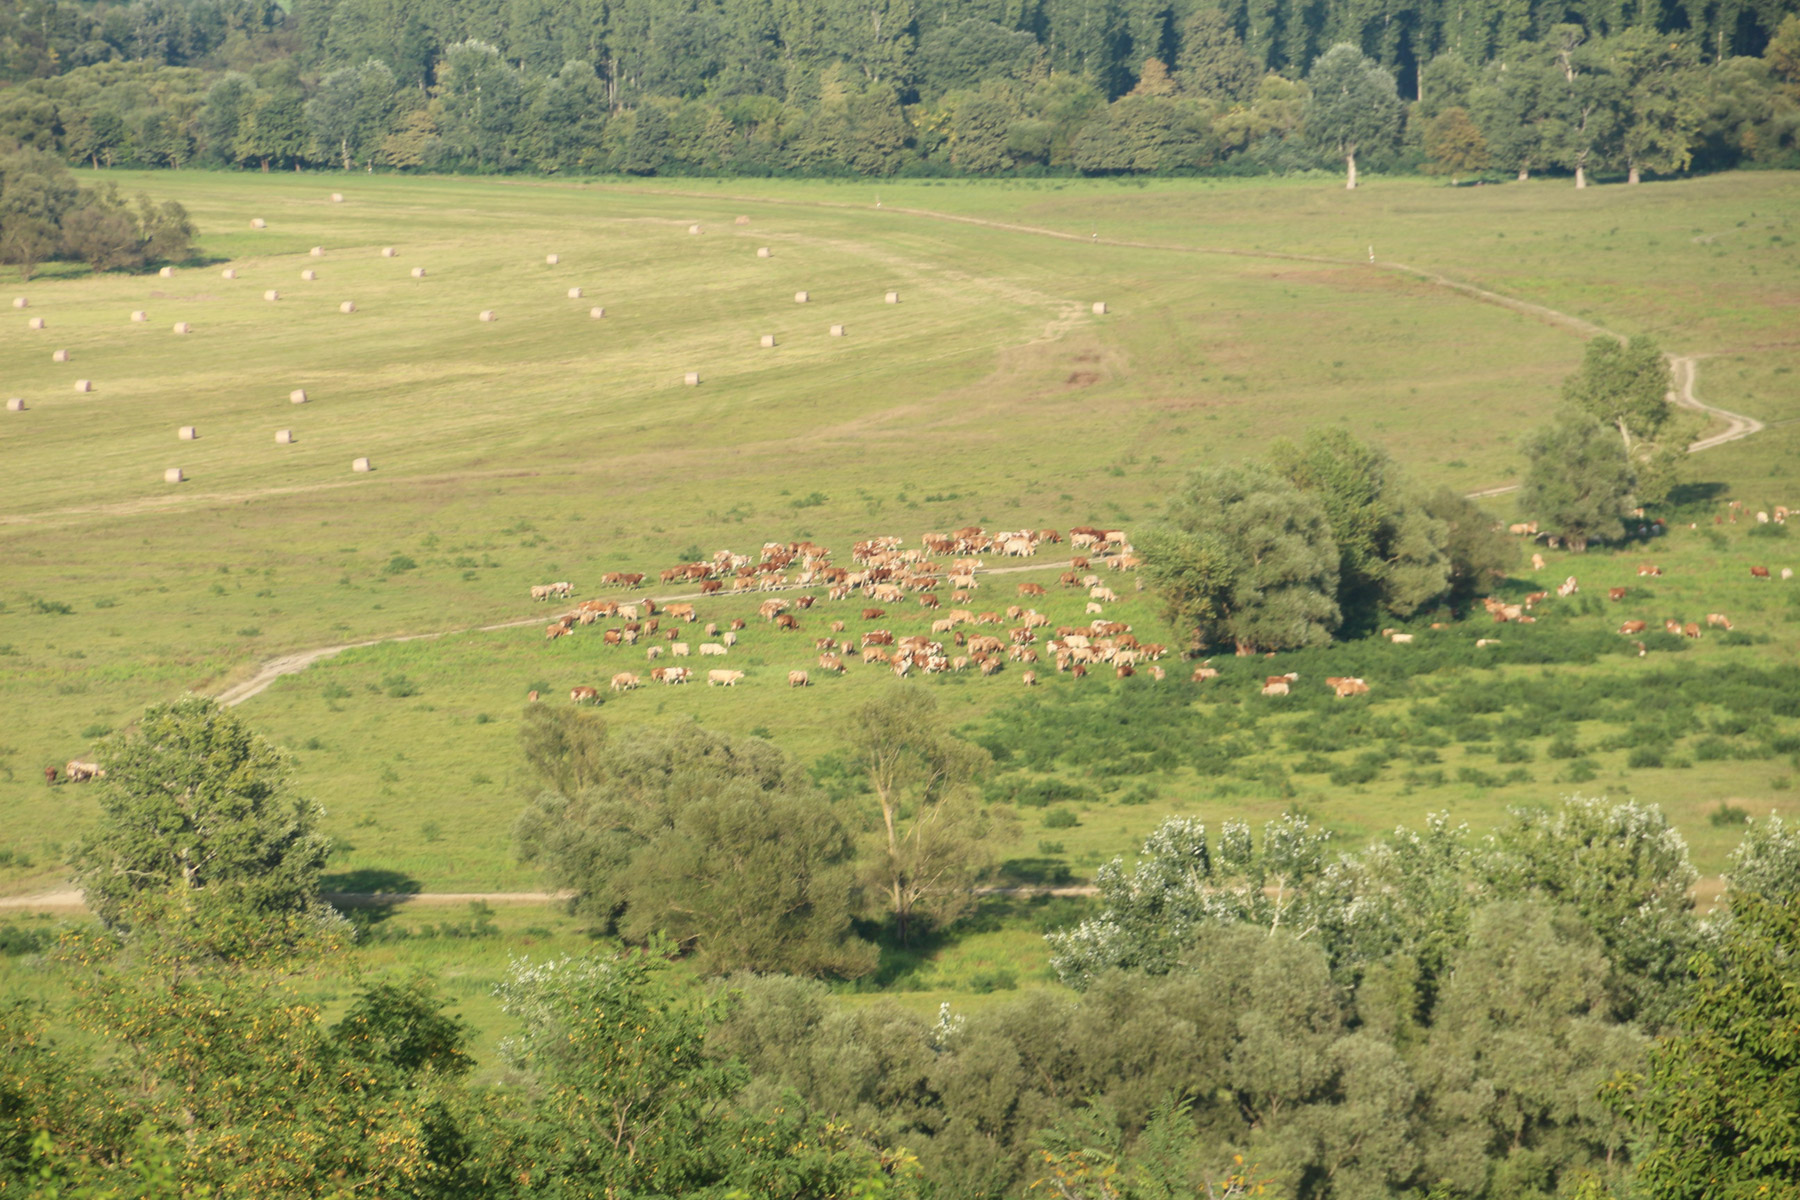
{"points": [[1581, 771], [17, 941], [399, 564], [50, 608], [1354, 773], [1771, 531], [399, 686], [1061, 818], [1644, 757], [335, 691], [1712, 749], [995, 979], [1513, 752], [1563, 748], [1727, 814]]}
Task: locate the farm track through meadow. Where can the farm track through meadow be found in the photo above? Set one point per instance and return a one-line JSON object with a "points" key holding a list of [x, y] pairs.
{"points": [[1685, 369]]}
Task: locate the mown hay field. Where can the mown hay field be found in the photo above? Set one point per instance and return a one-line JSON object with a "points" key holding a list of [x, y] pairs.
{"points": [[551, 445]]}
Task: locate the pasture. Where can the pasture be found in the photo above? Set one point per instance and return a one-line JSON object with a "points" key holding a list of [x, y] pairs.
{"points": [[549, 444]]}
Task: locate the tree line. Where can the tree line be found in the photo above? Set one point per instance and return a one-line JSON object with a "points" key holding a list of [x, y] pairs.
{"points": [[1533, 1013], [825, 87]]}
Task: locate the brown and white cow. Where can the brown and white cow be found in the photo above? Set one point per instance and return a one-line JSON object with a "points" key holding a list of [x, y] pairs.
{"points": [[578, 694]]}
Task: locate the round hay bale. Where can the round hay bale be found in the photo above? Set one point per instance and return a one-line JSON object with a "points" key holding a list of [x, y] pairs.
{"points": [[801, 297], [297, 396], [258, 223], [309, 275], [84, 385], [187, 433], [768, 341], [893, 297], [348, 306], [271, 294], [692, 379], [15, 405], [21, 302], [140, 316], [596, 312], [361, 466], [418, 272], [1099, 308], [743, 220], [837, 331], [183, 327], [762, 252], [284, 437], [487, 314], [167, 273], [228, 273], [337, 197], [59, 356], [173, 475], [317, 252], [575, 293], [552, 259], [693, 229], [35, 323], [387, 252]]}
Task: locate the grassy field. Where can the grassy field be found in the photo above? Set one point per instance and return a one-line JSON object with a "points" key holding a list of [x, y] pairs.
{"points": [[551, 445]]}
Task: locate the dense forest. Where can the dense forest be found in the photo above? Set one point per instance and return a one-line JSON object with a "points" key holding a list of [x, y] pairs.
{"points": [[878, 87]]}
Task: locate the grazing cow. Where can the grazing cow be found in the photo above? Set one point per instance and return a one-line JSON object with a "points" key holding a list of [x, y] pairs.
{"points": [[797, 679], [738, 623], [1718, 621], [1401, 639], [1203, 673], [673, 675], [1031, 589], [730, 639], [1276, 687], [531, 696], [928, 600], [1615, 593], [831, 662], [1691, 630], [1645, 569], [1103, 594], [1125, 670], [540, 591], [1760, 573], [709, 586], [1484, 643], [684, 611], [1568, 588], [613, 637], [725, 678], [50, 775], [1537, 562], [1158, 674], [1348, 687], [653, 653], [1029, 679], [874, 614], [1526, 527], [1671, 625], [628, 612], [711, 649], [992, 666], [678, 649], [76, 771], [787, 622], [578, 694], [552, 632]]}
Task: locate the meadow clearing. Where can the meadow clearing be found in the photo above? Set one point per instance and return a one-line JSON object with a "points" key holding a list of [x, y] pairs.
{"points": [[550, 444]]}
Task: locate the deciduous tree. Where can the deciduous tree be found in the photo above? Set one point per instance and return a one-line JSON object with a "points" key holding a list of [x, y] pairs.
{"points": [[1354, 106]]}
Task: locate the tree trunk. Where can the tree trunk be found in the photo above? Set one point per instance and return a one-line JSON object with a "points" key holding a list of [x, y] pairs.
{"points": [[1524, 174], [1580, 177], [1631, 174], [1350, 161]]}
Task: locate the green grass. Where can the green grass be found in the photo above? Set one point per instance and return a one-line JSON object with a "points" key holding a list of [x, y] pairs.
{"points": [[549, 445]]}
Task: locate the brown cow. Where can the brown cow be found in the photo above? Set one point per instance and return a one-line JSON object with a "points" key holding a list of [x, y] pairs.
{"points": [[874, 614], [1125, 671], [578, 694], [553, 632], [1759, 572], [1079, 670], [1690, 630], [1029, 679], [831, 662], [50, 775], [1615, 593], [1202, 674], [797, 679], [787, 621], [1631, 627], [1648, 569], [1718, 620]]}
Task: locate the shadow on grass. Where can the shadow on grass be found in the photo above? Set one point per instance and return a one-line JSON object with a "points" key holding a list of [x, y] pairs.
{"points": [[366, 881]]}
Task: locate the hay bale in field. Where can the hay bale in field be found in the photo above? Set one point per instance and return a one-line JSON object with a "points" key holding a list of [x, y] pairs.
{"points": [[284, 437], [742, 221], [309, 275], [166, 273], [692, 379], [762, 252], [387, 252], [361, 466], [271, 294], [183, 327], [348, 306], [768, 341], [15, 405], [837, 331], [140, 316], [187, 433], [228, 273], [574, 293], [21, 302], [1099, 308], [173, 475], [488, 314], [893, 297], [337, 197], [258, 223], [35, 323], [317, 252], [59, 356], [84, 385], [596, 312], [802, 297], [552, 259], [418, 272], [297, 396]]}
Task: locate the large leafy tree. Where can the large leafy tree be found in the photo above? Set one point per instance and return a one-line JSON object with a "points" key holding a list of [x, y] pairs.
{"points": [[932, 843], [724, 845], [1578, 482], [199, 820], [1245, 558], [1663, 105], [1354, 106], [1622, 384]]}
